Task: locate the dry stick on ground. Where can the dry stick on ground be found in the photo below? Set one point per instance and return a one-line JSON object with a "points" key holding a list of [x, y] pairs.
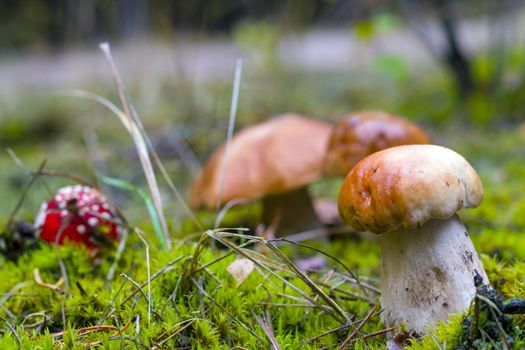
{"points": [[379, 332], [55, 286]]}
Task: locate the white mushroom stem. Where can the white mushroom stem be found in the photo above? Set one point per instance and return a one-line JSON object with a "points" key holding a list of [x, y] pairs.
{"points": [[427, 273]]}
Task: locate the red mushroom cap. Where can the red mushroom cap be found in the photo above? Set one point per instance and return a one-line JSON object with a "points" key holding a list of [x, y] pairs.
{"points": [[79, 214]]}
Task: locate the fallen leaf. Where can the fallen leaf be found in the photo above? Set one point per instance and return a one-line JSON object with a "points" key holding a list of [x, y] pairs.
{"points": [[240, 269]]}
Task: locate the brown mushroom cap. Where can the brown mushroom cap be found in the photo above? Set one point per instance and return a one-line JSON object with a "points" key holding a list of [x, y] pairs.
{"points": [[281, 154], [359, 134], [407, 185]]}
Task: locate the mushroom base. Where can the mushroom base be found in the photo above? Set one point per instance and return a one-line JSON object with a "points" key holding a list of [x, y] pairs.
{"points": [[290, 212], [427, 273]]}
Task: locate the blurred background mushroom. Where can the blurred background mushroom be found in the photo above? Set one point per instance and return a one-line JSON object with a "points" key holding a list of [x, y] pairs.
{"points": [[273, 161], [356, 136], [360, 134]]}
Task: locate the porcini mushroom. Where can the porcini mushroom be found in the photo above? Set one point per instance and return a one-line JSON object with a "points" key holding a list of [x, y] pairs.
{"points": [[410, 195], [359, 134], [354, 137], [78, 214], [273, 161]]}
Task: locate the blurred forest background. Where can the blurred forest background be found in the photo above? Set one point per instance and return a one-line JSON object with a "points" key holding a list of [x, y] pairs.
{"points": [[456, 67]]}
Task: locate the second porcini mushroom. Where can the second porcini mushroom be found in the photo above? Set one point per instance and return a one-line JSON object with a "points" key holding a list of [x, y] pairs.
{"points": [[359, 134], [273, 161], [410, 195]]}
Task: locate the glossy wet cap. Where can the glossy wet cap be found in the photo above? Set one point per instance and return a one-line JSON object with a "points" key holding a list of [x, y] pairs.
{"points": [[281, 154], [359, 134], [407, 186]]}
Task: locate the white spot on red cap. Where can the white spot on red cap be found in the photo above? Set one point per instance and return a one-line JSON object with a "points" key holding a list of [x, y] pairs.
{"points": [[92, 221], [81, 229], [41, 216]]}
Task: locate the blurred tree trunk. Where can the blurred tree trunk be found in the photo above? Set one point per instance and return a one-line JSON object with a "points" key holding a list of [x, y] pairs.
{"points": [[451, 54], [133, 17], [454, 55]]}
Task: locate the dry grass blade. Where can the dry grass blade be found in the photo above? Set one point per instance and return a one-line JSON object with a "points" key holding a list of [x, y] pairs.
{"points": [[140, 144], [13, 331], [224, 210], [356, 330], [167, 267], [118, 255], [266, 324], [43, 172], [141, 236], [308, 281], [139, 287], [13, 290], [231, 126], [345, 292], [178, 328], [45, 318], [436, 341], [325, 254]]}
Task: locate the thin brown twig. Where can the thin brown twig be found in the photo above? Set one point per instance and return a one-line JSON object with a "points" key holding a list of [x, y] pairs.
{"points": [[379, 332], [55, 286], [9, 224]]}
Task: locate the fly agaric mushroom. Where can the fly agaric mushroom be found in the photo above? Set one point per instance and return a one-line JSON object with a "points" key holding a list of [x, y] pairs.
{"points": [[274, 161], [410, 195], [78, 214], [357, 135]]}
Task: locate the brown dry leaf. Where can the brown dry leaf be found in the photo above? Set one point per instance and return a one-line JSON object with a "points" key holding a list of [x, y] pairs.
{"points": [[240, 269]]}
